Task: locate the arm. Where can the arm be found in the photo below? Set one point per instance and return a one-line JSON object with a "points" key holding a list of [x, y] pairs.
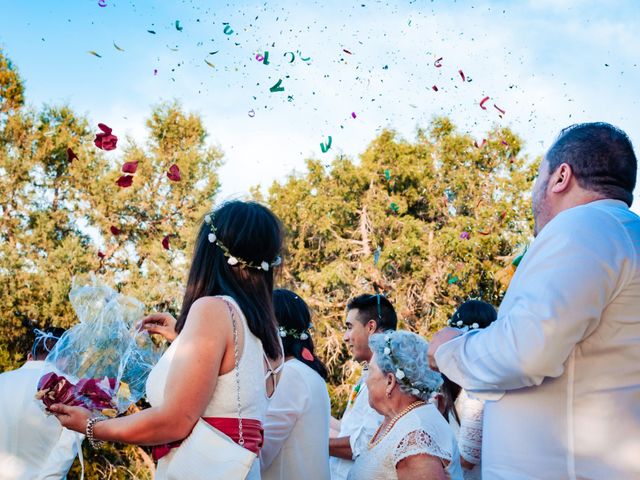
{"points": [[190, 384], [470, 441], [284, 410], [420, 466], [340, 447], [556, 300], [62, 456]]}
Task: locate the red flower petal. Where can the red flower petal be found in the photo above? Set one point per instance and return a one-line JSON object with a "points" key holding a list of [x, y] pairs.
{"points": [[174, 173], [130, 167], [104, 128], [124, 181], [165, 242], [307, 355], [71, 156], [115, 230]]}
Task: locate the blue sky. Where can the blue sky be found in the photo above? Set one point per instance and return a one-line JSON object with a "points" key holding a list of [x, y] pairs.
{"points": [[547, 63]]}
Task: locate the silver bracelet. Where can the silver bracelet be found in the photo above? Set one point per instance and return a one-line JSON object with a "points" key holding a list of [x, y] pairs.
{"points": [[91, 423]]}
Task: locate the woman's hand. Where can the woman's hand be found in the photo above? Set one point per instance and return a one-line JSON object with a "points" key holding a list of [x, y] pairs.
{"points": [[73, 418], [161, 323]]}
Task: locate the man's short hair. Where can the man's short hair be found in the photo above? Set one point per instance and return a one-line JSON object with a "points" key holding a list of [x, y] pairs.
{"points": [[45, 340], [601, 157], [374, 307]]}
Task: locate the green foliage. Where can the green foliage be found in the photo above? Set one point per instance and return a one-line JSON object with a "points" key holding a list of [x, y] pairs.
{"points": [[412, 201]]}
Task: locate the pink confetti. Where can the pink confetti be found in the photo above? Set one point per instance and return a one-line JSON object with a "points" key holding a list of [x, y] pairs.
{"points": [[353, 114], [462, 75], [482, 102], [130, 167], [434, 88], [174, 173], [155, 71], [165, 242], [499, 109], [438, 63]]}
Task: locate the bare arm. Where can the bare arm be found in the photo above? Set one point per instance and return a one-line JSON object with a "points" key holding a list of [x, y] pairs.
{"points": [[190, 384], [340, 447], [420, 466]]}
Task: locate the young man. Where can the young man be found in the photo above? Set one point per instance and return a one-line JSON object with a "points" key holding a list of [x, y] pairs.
{"points": [[561, 363], [32, 444], [366, 315]]}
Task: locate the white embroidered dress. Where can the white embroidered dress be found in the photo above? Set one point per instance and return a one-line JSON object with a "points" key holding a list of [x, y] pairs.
{"points": [[422, 431], [469, 432], [253, 392]]}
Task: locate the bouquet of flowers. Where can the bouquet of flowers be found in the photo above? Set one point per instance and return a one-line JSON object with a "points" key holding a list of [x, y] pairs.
{"points": [[103, 362]]}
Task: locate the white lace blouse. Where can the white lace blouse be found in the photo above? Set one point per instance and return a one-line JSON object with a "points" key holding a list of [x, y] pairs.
{"points": [[469, 432], [422, 431]]}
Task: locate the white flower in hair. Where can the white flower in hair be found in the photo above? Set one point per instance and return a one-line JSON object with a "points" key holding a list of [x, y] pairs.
{"points": [[207, 219], [212, 237], [415, 391], [399, 374], [232, 261], [474, 326], [303, 336], [265, 266], [387, 350], [459, 323], [277, 261], [282, 332]]}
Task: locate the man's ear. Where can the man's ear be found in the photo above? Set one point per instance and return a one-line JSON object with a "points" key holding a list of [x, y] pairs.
{"points": [[29, 357], [561, 179], [372, 326]]}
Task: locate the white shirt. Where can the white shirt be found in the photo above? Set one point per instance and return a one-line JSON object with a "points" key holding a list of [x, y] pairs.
{"points": [[359, 423], [32, 444], [296, 427], [562, 361]]}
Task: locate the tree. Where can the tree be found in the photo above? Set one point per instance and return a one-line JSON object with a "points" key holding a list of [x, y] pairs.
{"points": [[62, 214], [427, 223]]}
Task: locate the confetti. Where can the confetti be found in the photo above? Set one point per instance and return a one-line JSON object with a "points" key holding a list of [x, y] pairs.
{"points": [[125, 181], [293, 56], [452, 279], [71, 156], [252, 113], [213, 53], [130, 167], [178, 26], [102, 3], [172, 49], [438, 63], [394, 207], [100, 255], [152, 32], [434, 88], [118, 48], [376, 256], [155, 71], [353, 114], [174, 173], [165, 242], [115, 230], [105, 140], [482, 102], [227, 29], [465, 236], [504, 143], [277, 87], [387, 174], [94, 53], [499, 109], [209, 63], [307, 355], [263, 58], [347, 51], [325, 148], [304, 59], [462, 75]]}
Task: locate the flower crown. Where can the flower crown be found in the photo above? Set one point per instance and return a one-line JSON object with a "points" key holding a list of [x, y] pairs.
{"points": [[297, 334], [232, 260], [400, 375], [460, 324]]}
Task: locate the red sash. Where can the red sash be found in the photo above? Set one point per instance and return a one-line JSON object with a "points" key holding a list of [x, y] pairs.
{"points": [[252, 432]]}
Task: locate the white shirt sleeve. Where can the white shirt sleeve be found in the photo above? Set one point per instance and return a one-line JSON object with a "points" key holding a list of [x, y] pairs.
{"points": [[470, 437], [371, 420], [62, 456], [285, 408], [556, 299]]}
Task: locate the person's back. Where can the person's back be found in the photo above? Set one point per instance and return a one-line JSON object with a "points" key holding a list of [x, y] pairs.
{"points": [[305, 453], [32, 444]]}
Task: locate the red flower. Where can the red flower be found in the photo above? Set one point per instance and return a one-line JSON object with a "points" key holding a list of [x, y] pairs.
{"points": [[105, 140], [100, 255], [115, 230], [174, 173], [130, 167], [71, 156], [165, 242], [125, 181]]}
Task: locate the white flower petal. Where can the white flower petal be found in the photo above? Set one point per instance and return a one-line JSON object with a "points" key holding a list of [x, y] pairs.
{"points": [[399, 374], [459, 323], [303, 336], [212, 237], [232, 261], [265, 266], [387, 350], [207, 219], [415, 391], [475, 325]]}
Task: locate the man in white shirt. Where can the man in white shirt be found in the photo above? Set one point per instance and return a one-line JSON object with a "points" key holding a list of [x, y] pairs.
{"points": [[366, 315], [562, 362], [32, 444]]}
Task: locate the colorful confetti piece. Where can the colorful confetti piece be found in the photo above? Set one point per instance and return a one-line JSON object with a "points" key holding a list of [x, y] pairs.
{"points": [[209, 63], [347, 51], [482, 102], [499, 109], [94, 53], [325, 148], [353, 114], [263, 58], [394, 207], [102, 3], [277, 87], [118, 48], [125, 181], [462, 75], [293, 56], [434, 88], [115, 230], [130, 167], [465, 236], [178, 26], [252, 113], [174, 173], [227, 29], [165, 242], [152, 32], [387, 174], [438, 63]]}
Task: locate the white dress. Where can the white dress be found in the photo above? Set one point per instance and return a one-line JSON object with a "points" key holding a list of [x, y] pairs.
{"points": [[253, 392], [296, 427], [469, 432], [422, 431]]}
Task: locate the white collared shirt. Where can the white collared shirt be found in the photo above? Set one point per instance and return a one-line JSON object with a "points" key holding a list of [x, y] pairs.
{"points": [[32, 444], [561, 363], [359, 423]]}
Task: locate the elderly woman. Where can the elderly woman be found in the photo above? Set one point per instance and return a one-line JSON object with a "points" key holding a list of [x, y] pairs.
{"points": [[414, 441]]}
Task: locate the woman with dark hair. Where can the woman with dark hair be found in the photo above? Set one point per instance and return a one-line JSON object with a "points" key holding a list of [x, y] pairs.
{"points": [[297, 422], [463, 412], [224, 361]]}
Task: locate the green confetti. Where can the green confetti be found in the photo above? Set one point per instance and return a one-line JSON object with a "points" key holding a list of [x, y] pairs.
{"points": [[277, 87], [118, 48], [387, 175], [152, 32], [178, 27], [227, 29], [209, 63], [95, 54], [452, 279], [293, 56], [394, 207], [325, 148]]}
